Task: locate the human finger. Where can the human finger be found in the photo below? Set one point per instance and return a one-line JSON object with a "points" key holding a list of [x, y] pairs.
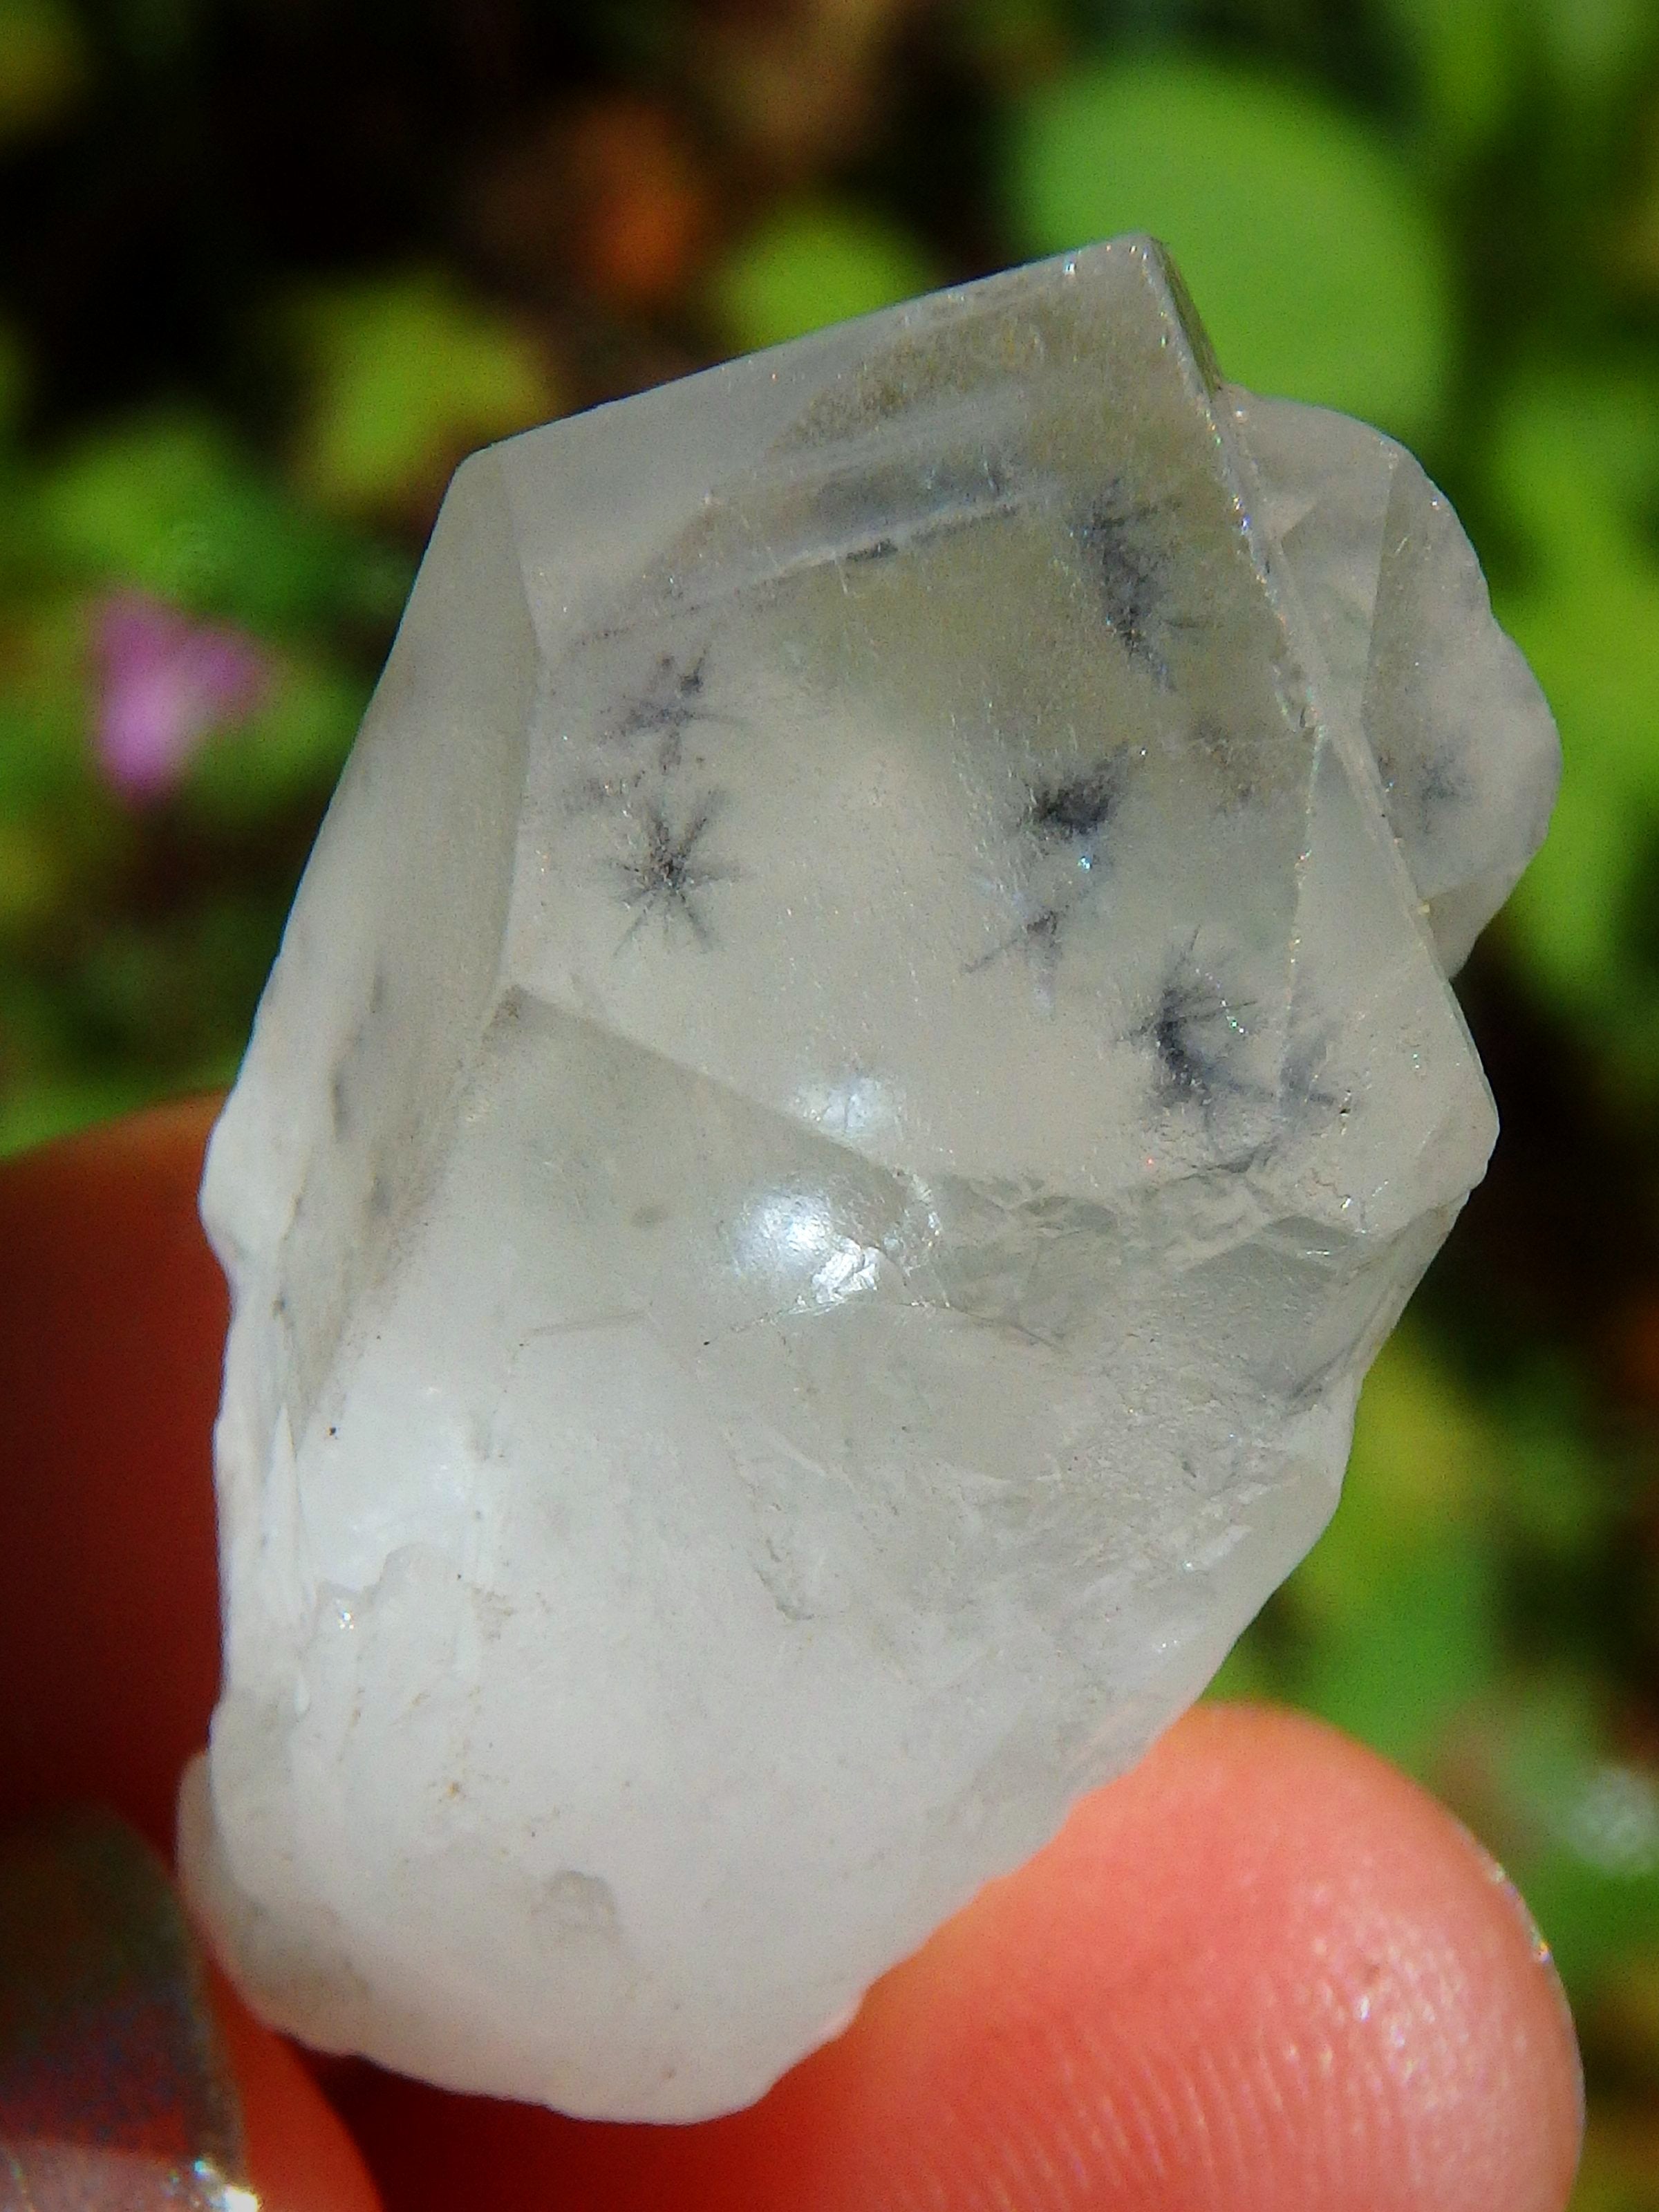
{"points": [[1259, 1956], [111, 1320], [112, 1325], [1262, 1972]]}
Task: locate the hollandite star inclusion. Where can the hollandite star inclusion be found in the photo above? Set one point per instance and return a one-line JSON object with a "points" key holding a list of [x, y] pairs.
{"points": [[862, 1063]]}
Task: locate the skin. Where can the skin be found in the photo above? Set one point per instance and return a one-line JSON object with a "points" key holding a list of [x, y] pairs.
{"points": [[1263, 1973]]}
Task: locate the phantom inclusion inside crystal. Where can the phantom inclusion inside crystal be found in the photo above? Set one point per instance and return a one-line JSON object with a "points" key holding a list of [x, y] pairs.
{"points": [[862, 1063]]}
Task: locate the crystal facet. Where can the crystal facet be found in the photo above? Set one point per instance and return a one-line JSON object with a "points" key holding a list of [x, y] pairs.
{"points": [[862, 1062]]}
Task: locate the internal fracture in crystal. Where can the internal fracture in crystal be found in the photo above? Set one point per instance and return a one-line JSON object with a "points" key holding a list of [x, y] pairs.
{"points": [[862, 1063]]}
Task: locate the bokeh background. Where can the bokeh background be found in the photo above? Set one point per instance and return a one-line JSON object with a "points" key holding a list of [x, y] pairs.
{"points": [[268, 268]]}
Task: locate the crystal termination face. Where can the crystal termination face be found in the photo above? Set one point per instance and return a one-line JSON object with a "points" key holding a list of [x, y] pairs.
{"points": [[862, 1063]]}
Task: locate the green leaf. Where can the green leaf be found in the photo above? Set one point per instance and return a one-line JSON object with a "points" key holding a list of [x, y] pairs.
{"points": [[1566, 918], [290, 753], [1424, 1458], [1247, 1672], [403, 376], [1396, 1610], [31, 878], [41, 1107], [1574, 456], [805, 267], [1585, 1825], [1592, 47], [1421, 1648], [46, 763], [1467, 60], [1314, 259], [1575, 460], [168, 502]]}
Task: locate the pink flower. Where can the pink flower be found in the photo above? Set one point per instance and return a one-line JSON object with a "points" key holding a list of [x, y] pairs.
{"points": [[165, 684]]}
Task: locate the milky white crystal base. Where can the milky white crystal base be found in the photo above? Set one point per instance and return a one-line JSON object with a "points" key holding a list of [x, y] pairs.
{"points": [[862, 1064]]}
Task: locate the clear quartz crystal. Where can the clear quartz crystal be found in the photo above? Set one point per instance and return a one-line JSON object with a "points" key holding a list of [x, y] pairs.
{"points": [[862, 1063]]}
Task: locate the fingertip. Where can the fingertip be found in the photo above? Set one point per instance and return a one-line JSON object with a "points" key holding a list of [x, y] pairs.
{"points": [[1262, 1972], [111, 1324], [1266, 1968]]}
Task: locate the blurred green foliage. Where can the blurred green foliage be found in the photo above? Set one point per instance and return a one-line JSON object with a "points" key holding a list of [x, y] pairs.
{"points": [[804, 266], [266, 272], [1319, 265], [402, 377], [1576, 463]]}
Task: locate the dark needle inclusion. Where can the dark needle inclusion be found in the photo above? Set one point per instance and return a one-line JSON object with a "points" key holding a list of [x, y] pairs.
{"points": [[1068, 816], [1129, 569], [667, 872], [1076, 811], [1194, 1030], [675, 697]]}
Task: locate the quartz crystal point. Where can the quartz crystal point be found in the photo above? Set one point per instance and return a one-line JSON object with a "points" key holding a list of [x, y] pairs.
{"points": [[862, 1062]]}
